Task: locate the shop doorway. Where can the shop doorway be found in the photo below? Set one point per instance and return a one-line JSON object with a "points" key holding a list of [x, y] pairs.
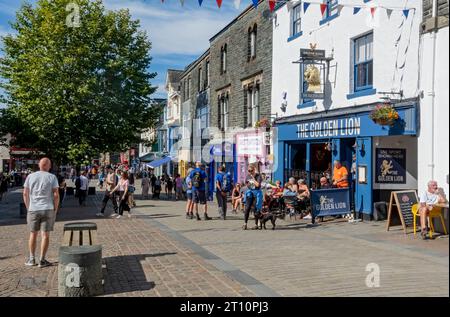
{"points": [[320, 161]]}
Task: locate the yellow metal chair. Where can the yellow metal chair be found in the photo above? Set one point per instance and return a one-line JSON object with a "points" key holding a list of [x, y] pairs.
{"points": [[436, 212]]}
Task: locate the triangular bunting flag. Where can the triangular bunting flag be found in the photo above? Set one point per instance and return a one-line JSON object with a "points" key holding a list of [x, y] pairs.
{"points": [[372, 11], [255, 3], [406, 13], [356, 10], [219, 3], [339, 8], [237, 4], [305, 6], [200, 2], [323, 7], [272, 5], [389, 13]]}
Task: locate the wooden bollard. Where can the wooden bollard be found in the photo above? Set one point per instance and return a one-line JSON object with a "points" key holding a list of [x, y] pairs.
{"points": [[80, 271]]}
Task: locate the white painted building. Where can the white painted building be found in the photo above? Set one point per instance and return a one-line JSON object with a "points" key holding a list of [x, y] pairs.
{"points": [[370, 57], [4, 156], [434, 81]]}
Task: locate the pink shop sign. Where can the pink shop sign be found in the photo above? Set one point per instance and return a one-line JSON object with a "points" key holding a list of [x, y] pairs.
{"points": [[250, 145]]}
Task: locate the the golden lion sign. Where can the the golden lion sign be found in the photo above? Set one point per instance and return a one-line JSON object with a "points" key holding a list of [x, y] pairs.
{"points": [[312, 77]]}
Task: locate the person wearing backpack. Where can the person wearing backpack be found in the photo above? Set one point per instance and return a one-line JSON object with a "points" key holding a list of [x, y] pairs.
{"points": [[198, 178], [223, 187]]}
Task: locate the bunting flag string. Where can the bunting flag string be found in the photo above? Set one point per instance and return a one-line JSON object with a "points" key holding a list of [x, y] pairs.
{"points": [[323, 6]]}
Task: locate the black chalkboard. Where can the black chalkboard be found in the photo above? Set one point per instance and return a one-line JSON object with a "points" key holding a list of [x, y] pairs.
{"points": [[403, 201]]}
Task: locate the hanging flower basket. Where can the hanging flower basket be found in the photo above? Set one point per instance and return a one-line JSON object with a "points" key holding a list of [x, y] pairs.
{"points": [[263, 123], [384, 114]]}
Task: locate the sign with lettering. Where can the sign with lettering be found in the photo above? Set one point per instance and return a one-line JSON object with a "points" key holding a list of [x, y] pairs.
{"points": [[319, 126], [329, 128], [249, 144], [390, 166], [327, 202], [311, 54]]}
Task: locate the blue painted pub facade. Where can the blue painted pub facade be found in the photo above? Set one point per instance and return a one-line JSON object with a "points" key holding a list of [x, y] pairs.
{"points": [[307, 145]]}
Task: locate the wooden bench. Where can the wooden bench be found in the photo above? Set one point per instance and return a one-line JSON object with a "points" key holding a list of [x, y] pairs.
{"points": [[80, 233]]}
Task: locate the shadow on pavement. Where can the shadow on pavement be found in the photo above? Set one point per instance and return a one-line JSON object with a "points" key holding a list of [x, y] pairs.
{"points": [[126, 274], [155, 216]]}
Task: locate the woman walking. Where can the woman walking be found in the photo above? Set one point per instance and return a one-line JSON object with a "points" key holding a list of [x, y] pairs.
{"points": [[145, 186], [122, 187]]}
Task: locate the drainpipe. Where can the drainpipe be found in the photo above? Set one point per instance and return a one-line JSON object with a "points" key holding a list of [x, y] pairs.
{"points": [[433, 78]]}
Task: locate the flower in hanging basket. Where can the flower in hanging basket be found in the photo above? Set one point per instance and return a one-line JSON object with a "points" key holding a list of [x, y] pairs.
{"points": [[263, 123], [384, 114]]}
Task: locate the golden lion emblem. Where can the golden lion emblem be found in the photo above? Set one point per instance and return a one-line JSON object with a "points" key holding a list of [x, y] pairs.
{"points": [[312, 77], [386, 168]]}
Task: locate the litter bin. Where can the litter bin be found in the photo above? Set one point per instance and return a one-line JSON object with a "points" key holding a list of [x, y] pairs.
{"points": [[22, 210]]}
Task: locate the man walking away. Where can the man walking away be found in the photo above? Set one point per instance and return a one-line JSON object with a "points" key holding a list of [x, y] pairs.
{"points": [[111, 182], [41, 198], [223, 187], [198, 178], [84, 184]]}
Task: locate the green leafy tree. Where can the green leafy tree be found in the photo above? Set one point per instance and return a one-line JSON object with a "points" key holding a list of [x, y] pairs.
{"points": [[77, 79]]}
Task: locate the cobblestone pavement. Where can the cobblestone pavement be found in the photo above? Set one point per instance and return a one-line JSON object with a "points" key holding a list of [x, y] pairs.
{"points": [[139, 258], [160, 253]]}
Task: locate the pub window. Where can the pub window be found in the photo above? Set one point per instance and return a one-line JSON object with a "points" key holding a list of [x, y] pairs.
{"points": [[296, 20], [332, 8], [363, 62]]}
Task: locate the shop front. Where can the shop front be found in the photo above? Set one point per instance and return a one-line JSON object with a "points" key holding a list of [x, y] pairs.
{"points": [[373, 154], [251, 148], [221, 154]]}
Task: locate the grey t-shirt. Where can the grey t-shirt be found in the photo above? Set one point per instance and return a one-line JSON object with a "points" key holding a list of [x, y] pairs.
{"points": [[41, 185], [251, 182]]}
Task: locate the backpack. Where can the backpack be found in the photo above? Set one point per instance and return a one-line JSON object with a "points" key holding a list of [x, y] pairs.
{"points": [[196, 180], [226, 183]]}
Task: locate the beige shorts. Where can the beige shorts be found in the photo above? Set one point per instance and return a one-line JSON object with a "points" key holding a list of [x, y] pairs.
{"points": [[42, 220]]}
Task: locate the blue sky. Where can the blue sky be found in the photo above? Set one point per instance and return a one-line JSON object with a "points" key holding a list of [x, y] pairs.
{"points": [[178, 34]]}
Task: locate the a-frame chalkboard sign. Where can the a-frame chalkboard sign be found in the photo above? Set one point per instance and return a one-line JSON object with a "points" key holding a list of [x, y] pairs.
{"points": [[403, 201]]}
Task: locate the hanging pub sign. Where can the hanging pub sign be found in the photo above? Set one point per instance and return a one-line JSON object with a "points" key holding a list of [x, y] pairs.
{"points": [[391, 166], [313, 67]]}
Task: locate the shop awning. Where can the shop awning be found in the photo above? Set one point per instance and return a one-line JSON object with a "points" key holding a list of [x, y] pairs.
{"points": [[149, 157], [160, 162]]}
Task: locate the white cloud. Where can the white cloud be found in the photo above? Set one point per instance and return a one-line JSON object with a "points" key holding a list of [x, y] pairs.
{"points": [[173, 29]]}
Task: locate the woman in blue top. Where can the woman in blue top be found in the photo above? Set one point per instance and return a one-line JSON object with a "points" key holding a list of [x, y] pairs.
{"points": [[253, 195]]}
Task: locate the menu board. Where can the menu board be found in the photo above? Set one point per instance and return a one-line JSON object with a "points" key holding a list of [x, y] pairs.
{"points": [[403, 202]]}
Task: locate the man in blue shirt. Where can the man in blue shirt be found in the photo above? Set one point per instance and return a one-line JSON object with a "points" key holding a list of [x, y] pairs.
{"points": [[223, 187], [198, 178]]}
